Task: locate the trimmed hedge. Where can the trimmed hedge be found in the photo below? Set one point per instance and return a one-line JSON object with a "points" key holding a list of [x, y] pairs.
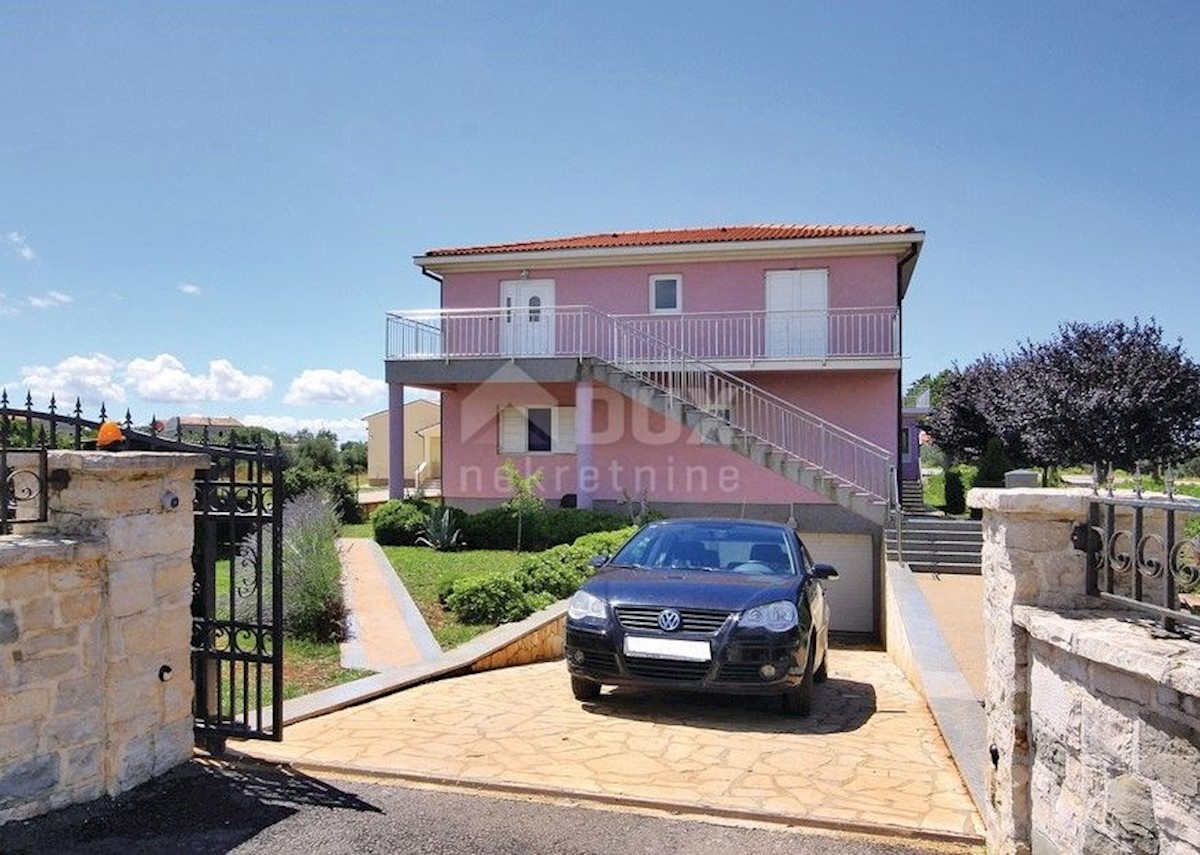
{"points": [[537, 582], [956, 495], [496, 528], [495, 598], [399, 523]]}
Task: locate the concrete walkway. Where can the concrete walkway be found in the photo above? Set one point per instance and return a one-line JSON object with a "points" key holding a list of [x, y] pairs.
{"points": [[386, 628], [957, 603]]}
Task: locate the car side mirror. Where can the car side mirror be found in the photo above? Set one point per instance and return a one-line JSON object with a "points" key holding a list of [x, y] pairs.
{"points": [[598, 561], [824, 571]]}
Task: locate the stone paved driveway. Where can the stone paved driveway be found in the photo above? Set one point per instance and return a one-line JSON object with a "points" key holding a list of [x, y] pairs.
{"points": [[869, 756]]}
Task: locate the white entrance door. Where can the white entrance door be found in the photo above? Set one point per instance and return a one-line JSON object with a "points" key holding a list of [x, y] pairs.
{"points": [[528, 322], [797, 319]]}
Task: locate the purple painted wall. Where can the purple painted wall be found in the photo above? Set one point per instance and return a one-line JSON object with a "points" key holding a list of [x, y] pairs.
{"points": [[714, 286], [634, 448]]}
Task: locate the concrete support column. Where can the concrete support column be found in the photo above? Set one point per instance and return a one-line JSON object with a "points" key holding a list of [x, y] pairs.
{"points": [[396, 440], [1027, 561], [585, 474]]}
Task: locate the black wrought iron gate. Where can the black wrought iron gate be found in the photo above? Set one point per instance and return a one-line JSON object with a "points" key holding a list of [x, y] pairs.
{"points": [[237, 605], [237, 559]]}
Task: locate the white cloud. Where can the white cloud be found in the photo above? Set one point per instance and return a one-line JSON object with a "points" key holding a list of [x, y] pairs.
{"points": [[325, 386], [50, 300], [190, 289], [346, 429], [20, 246], [90, 378], [7, 307], [164, 378]]}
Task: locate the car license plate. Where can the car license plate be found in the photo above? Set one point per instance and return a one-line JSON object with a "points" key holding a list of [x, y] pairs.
{"points": [[667, 648]]}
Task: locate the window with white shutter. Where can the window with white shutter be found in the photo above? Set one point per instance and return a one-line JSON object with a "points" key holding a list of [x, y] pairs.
{"points": [[537, 430]]}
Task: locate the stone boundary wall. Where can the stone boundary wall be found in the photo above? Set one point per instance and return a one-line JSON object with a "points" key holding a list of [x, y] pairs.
{"points": [[1093, 720], [1115, 733], [94, 605]]}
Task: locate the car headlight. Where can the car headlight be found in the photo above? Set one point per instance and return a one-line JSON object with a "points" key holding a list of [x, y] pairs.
{"points": [[585, 605], [778, 616]]}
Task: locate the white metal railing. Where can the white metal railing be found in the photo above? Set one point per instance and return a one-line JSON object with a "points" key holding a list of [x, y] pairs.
{"points": [[833, 334], [583, 331], [824, 334]]}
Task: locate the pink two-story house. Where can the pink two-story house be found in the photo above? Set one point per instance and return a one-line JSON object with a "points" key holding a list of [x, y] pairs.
{"points": [[739, 370]]}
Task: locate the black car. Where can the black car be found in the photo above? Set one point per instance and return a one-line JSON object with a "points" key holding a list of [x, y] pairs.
{"points": [[710, 605]]}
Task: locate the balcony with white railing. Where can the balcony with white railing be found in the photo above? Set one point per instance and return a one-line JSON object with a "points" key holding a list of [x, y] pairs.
{"points": [[795, 339], [697, 385]]}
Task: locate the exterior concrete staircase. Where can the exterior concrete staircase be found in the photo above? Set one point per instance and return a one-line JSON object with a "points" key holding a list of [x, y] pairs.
{"points": [[931, 544], [721, 426], [912, 496]]}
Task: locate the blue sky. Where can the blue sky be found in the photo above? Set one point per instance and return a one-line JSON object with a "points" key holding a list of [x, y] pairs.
{"points": [[209, 207]]}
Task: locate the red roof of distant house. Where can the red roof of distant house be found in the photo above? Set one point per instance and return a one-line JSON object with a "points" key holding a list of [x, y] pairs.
{"points": [[666, 237]]}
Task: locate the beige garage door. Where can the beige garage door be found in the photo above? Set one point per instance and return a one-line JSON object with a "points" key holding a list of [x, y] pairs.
{"points": [[852, 594]]}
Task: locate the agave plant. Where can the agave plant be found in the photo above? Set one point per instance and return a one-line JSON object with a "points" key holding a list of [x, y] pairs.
{"points": [[441, 533]]}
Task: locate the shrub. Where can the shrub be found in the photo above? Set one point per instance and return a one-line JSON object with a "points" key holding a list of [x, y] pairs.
{"points": [[496, 528], [566, 525], [313, 605], [536, 583], [561, 569], [956, 496], [495, 598], [399, 523], [992, 465], [300, 479]]}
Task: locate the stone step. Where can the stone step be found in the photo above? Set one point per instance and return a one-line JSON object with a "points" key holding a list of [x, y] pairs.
{"points": [[889, 536], [945, 568]]}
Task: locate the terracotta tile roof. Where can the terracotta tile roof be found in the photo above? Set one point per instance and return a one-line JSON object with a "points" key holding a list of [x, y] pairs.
{"points": [[663, 237]]}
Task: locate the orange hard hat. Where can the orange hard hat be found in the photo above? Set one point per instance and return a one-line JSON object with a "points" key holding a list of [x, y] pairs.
{"points": [[110, 434]]}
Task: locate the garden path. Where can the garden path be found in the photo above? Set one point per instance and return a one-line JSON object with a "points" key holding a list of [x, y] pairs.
{"points": [[387, 629]]}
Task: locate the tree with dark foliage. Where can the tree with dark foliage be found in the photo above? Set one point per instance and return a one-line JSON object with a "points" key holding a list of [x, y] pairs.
{"points": [[960, 423], [1109, 393]]}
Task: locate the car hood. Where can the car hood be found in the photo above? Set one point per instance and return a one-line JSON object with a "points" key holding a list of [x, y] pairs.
{"points": [[694, 589]]}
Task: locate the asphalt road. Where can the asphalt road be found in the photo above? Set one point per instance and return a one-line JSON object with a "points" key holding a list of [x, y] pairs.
{"points": [[214, 808]]}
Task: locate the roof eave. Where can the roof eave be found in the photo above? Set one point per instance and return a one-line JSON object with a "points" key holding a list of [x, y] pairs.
{"points": [[708, 251]]}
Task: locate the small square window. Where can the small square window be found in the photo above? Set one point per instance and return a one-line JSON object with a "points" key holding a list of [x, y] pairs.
{"points": [[665, 293]]}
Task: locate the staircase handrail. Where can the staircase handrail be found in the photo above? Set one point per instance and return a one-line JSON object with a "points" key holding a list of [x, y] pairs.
{"points": [[687, 364]]}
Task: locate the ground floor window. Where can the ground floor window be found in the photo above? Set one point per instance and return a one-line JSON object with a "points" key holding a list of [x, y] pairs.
{"points": [[533, 430]]}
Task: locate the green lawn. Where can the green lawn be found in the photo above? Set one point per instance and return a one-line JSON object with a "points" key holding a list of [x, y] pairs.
{"points": [[425, 572], [358, 530]]}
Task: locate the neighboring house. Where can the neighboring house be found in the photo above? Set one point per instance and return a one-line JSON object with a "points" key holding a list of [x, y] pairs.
{"points": [[194, 427], [422, 448], [740, 370], [914, 410]]}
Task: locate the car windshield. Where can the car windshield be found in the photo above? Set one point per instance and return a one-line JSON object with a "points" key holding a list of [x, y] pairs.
{"points": [[735, 547]]}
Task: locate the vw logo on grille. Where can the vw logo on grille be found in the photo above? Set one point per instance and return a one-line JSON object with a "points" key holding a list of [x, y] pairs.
{"points": [[668, 620]]}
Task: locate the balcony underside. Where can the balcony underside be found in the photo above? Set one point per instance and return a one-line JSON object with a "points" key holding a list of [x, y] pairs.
{"points": [[445, 373], [440, 374]]}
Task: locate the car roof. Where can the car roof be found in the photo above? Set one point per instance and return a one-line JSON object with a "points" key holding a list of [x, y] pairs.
{"points": [[722, 521]]}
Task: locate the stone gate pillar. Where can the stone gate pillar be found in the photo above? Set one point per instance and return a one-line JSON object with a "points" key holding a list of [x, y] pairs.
{"points": [[1028, 560]]}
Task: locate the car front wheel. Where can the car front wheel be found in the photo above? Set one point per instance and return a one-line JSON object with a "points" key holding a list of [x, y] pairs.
{"points": [[584, 690], [798, 701]]}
